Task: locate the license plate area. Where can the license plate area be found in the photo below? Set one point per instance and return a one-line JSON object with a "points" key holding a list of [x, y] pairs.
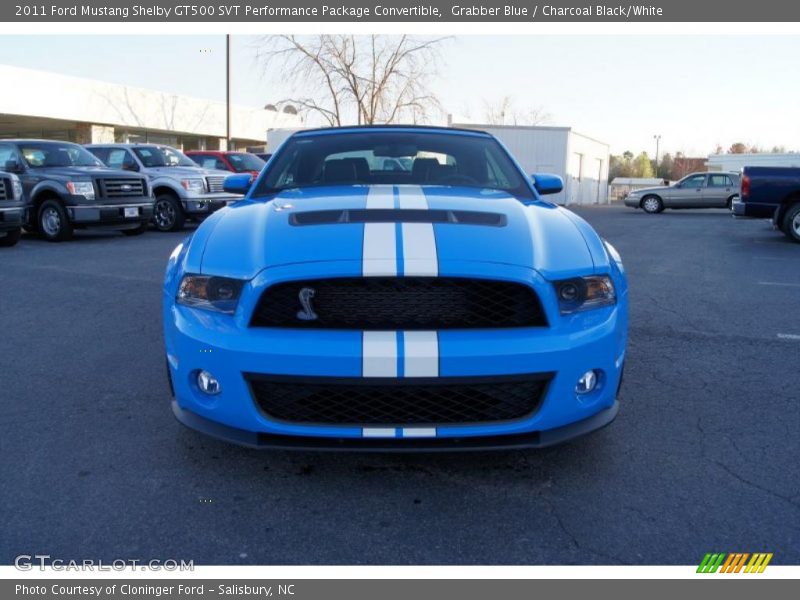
{"points": [[131, 211]]}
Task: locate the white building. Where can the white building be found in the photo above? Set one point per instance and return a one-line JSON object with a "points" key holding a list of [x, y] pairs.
{"points": [[276, 137], [581, 161], [735, 162], [39, 104]]}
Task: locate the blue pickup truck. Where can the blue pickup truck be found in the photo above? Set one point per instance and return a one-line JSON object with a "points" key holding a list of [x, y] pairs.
{"points": [[771, 193]]}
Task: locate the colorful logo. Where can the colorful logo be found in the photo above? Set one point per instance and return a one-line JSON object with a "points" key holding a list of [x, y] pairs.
{"points": [[734, 562]]}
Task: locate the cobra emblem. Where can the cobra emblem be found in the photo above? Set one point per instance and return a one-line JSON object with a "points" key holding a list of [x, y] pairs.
{"points": [[307, 314]]}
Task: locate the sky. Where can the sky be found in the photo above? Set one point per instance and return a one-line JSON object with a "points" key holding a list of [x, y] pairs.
{"points": [[696, 92]]}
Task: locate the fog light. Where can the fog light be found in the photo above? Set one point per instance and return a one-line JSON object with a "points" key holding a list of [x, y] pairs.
{"points": [[587, 383], [207, 383]]}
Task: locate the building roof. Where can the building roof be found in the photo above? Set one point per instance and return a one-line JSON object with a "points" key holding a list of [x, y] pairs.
{"points": [[47, 95], [754, 159], [487, 128]]}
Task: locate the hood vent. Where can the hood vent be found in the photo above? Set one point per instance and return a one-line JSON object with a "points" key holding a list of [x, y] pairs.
{"points": [[397, 215]]}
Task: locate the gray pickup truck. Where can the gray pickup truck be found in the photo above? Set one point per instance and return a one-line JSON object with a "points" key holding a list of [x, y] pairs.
{"points": [[67, 188], [12, 208], [183, 190]]}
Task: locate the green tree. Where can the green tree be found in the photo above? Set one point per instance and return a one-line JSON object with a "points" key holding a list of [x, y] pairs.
{"points": [[642, 167], [621, 166], [664, 170]]}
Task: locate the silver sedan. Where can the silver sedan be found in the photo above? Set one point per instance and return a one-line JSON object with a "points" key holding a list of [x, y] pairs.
{"points": [[698, 190]]}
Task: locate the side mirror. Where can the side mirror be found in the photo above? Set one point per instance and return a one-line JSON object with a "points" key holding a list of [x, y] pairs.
{"points": [[13, 166], [547, 183], [237, 184], [130, 167]]}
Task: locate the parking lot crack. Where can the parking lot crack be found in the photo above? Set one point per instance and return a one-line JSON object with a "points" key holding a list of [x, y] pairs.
{"points": [[573, 538], [788, 499]]}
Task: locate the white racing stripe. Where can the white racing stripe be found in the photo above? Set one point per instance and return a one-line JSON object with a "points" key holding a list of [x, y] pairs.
{"points": [[420, 354], [419, 432], [378, 432], [379, 354], [379, 256], [419, 250], [379, 252], [380, 196], [419, 241], [412, 196]]}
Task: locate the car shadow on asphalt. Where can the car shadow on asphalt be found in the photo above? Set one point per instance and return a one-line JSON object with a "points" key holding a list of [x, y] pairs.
{"points": [[250, 464]]}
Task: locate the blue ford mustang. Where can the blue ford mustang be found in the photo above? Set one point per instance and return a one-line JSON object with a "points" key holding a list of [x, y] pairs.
{"points": [[395, 288]]}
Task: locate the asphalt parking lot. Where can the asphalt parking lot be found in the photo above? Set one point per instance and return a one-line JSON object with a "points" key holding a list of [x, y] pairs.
{"points": [[702, 458]]}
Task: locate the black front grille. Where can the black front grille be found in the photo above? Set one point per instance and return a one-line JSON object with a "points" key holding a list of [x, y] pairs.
{"points": [[6, 191], [121, 187], [393, 303], [429, 401]]}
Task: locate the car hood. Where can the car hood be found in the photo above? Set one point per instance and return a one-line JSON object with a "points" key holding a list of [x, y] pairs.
{"points": [[72, 172], [649, 190], [249, 236], [185, 172]]}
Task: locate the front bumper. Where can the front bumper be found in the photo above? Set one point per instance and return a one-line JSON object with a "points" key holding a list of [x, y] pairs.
{"points": [[228, 348], [11, 217], [633, 202], [268, 441], [207, 204], [104, 212]]}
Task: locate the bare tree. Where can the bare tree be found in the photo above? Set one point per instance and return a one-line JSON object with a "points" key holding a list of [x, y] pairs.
{"points": [[505, 112], [346, 78]]}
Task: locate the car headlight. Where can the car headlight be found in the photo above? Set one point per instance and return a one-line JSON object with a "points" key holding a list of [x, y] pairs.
{"points": [[81, 188], [583, 293], [219, 294], [197, 186], [16, 187]]}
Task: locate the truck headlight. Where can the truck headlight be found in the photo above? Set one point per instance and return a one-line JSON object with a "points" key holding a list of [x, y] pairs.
{"points": [[197, 186], [583, 293], [16, 187], [220, 294], [81, 188]]}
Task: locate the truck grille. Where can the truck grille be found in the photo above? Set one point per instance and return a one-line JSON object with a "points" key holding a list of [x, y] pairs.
{"points": [[215, 184], [121, 188], [6, 190], [357, 401], [394, 303]]}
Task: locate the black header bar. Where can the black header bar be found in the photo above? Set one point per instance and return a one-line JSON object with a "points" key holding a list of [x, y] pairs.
{"points": [[397, 11]]}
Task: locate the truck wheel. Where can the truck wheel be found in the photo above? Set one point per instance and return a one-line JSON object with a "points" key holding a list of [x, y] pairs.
{"points": [[136, 230], [652, 204], [791, 222], [53, 222], [168, 213], [10, 238]]}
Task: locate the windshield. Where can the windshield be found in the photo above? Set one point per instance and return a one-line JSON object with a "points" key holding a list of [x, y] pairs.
{"points": [[163, 156], [48, 154], [245, 162], [393, 158]]}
